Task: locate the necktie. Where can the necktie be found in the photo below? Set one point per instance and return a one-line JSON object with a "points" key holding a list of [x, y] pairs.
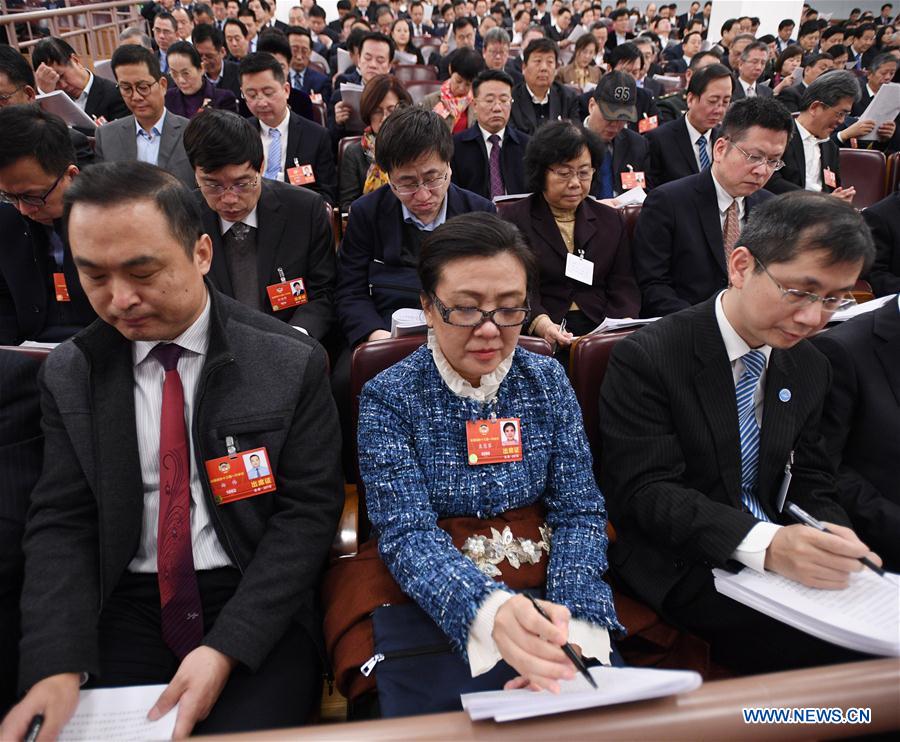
{"points": [[606, 176], [497, 188], [241, 258], [181, 612], [751, 91], [298, 80], [273, 160], [704, 155], [731, 231], [754, 363]]}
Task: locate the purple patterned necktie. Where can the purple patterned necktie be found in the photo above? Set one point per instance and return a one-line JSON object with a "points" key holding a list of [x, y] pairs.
{"points": [[497, 188], [179, 595]]}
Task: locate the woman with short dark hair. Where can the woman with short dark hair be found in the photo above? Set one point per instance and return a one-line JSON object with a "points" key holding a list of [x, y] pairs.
{"points": [[581, 70], [788, 61], [401, 33], [192, 92], [453, 101], [582, 246]]}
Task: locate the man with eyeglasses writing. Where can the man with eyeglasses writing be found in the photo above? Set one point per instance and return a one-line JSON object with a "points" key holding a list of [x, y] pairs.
{"points": [[151, 134], [40, 295], [700, 414], [687, 228]]}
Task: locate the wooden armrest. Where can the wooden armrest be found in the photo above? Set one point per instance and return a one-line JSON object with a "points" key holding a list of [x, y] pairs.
{"points": [[346, 540]]}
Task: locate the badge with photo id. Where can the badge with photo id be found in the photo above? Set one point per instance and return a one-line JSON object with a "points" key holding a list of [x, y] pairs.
{"points": [[648, 123], [286, 294], [494, 441], [829, 177], [60, 289], [633, 179], [301, 175], [240, 474]]}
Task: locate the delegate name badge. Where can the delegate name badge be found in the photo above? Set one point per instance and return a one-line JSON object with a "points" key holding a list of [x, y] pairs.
{"points": [[829, 177], [648, 123], [286, 294], [633, 179], [60, 289], [494, 441], [301, 175], [240, 475], [579, 269]]}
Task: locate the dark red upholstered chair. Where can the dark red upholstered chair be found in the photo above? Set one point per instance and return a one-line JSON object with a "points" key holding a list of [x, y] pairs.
{"points": [[419, 89], [865, 170], [631, 214], [415, 72]]}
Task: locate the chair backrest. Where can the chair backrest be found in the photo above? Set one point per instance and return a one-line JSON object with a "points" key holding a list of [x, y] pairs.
{"points": [[588, 361], [419, 89], [504, 202], [39, 354], [865, 170], [343, 143], [370, 359], [415, 72], [893, 172], [103, 68], [631, 214]]}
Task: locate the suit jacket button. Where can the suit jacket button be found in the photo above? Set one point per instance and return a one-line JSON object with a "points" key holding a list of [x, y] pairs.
{"points": [[36, 308], [679, 564]]}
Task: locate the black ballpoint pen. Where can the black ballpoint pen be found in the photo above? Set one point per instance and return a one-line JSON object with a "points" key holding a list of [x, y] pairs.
{"points": [[567, 648], [806, 519], [34, 728]]}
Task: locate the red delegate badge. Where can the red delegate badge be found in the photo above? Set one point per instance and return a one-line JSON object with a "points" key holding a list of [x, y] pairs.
{"points": [[494, 441], [59, 287], [648, 123], [829, 177], [633, 179], [301, 175], [287, 294], [241, 475]]}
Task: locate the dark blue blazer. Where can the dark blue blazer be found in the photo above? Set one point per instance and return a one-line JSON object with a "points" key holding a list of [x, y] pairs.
{"points": [[373, 281], [678, 251], [672, 153], [470, 161], [316, 82]]}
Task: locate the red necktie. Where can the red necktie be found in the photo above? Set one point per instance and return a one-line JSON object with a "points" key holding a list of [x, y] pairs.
{"points": [[182, 614]]}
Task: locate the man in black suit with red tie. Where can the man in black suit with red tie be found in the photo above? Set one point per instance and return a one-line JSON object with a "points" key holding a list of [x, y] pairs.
{"points": [[699, 414], [861, 424]]}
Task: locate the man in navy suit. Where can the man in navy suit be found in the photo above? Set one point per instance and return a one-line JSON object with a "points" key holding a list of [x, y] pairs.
{"points": [[750, 69], [303, 77], [210, 44], [416, 17], [475, 167], [302, 148], [883, 219], [378, 256], [699, 414], [688, 228], [682, 147]]}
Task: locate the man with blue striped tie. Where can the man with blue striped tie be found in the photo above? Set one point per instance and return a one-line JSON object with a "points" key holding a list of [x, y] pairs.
{"points": [[699, 414]]}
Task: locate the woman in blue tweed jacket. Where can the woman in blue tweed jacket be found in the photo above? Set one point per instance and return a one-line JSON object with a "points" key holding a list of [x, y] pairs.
{"points": [[417, 466]]}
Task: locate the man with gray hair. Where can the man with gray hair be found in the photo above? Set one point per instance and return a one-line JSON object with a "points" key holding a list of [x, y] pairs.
{"points": [[750, 68], [135, 35], [496, 53], [741, 42], [811, 159]]}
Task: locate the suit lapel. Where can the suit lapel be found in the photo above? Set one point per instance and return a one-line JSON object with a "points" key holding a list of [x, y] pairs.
{"points": [[219, 269], [585, 227], [127, 135], [170, 135], [271, 220], [545, 225], [685, 146], [796, 157], [555, 107], [714, 385], [778, 430], [887, 348], [708, 209]]}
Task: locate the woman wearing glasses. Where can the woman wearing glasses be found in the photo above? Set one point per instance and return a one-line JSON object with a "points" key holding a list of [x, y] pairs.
{"points": [[582, 246], [423, 459], [192, 91]]}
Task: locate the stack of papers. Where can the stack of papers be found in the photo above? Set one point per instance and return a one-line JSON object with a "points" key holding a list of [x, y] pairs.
{"points": [[351, 93], [118, 713], [63, 106], [614, 685], [884, 107], [408, 322], [611, 325], [864, 617], [857, 309]]}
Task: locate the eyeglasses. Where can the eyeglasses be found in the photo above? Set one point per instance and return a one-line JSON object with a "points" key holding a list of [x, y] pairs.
{"points": [[830, 304], [7, 97], [475, 317], [583, 174], [490, 100], [143, 88], [757, 160], [28, 200], [408, 189], [239, 189]]}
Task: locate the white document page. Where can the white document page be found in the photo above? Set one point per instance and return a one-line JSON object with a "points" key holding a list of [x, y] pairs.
{"points": [[885, 106], [118, 714], [614, 685], [63, 106]]}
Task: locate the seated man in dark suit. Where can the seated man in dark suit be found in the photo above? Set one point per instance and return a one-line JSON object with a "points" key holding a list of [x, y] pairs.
{"points": [[376, 52], [21, 448], [883, 219], [540, 98], [151, 134], [222, 73], [119, 583], [297, 150], [265, 234], [612, 106], [815, 66], [303, 77], [58, 67], [680, 148], [475, 165], [628, 58], [688, 228], [17, 87], [619, 32], [861, 424], [699, 414], [811, 160], [464, 35], [750, 68], [377, 259], [40, 295]]}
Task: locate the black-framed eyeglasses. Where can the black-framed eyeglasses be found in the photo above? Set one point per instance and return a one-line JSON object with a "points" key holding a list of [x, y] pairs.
{"points": [[143, 88], [757, 160], [27, 199], [432, 184], [830, 304], [475, 317]]}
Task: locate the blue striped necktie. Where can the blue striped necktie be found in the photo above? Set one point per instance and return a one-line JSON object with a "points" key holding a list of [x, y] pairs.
{"points": [[704, 155], [754, 363], [273, 160]]}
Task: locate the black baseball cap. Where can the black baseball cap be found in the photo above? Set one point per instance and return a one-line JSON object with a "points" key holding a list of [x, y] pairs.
{"points": [[616, 94]]}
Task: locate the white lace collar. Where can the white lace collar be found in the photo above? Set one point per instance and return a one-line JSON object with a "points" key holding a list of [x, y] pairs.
{"points": [[490, 383]]}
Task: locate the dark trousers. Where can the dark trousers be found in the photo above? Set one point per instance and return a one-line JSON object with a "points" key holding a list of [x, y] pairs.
{"points": [[282, 693], [745, 640]]}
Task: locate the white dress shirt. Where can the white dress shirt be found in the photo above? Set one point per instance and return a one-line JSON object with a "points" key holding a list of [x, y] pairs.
{"points": [[81, 100], [267, 138], [751, 552], [539, 101], [251, 220], [749, 88], [812, 157], [487, 135], [148, 141], [695, 135], [149, 377], [725, 200]]}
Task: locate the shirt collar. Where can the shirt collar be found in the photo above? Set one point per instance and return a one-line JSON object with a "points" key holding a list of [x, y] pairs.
{"points": [[725, 199], [250, 220], [808, 135], [486, 134], [870, 91], [155, 129], [194, 339], [735, 345], [87, 88], [489, 385], [282, 126], [747, 86], [411, 218], [693, 133], [535, 99]]}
